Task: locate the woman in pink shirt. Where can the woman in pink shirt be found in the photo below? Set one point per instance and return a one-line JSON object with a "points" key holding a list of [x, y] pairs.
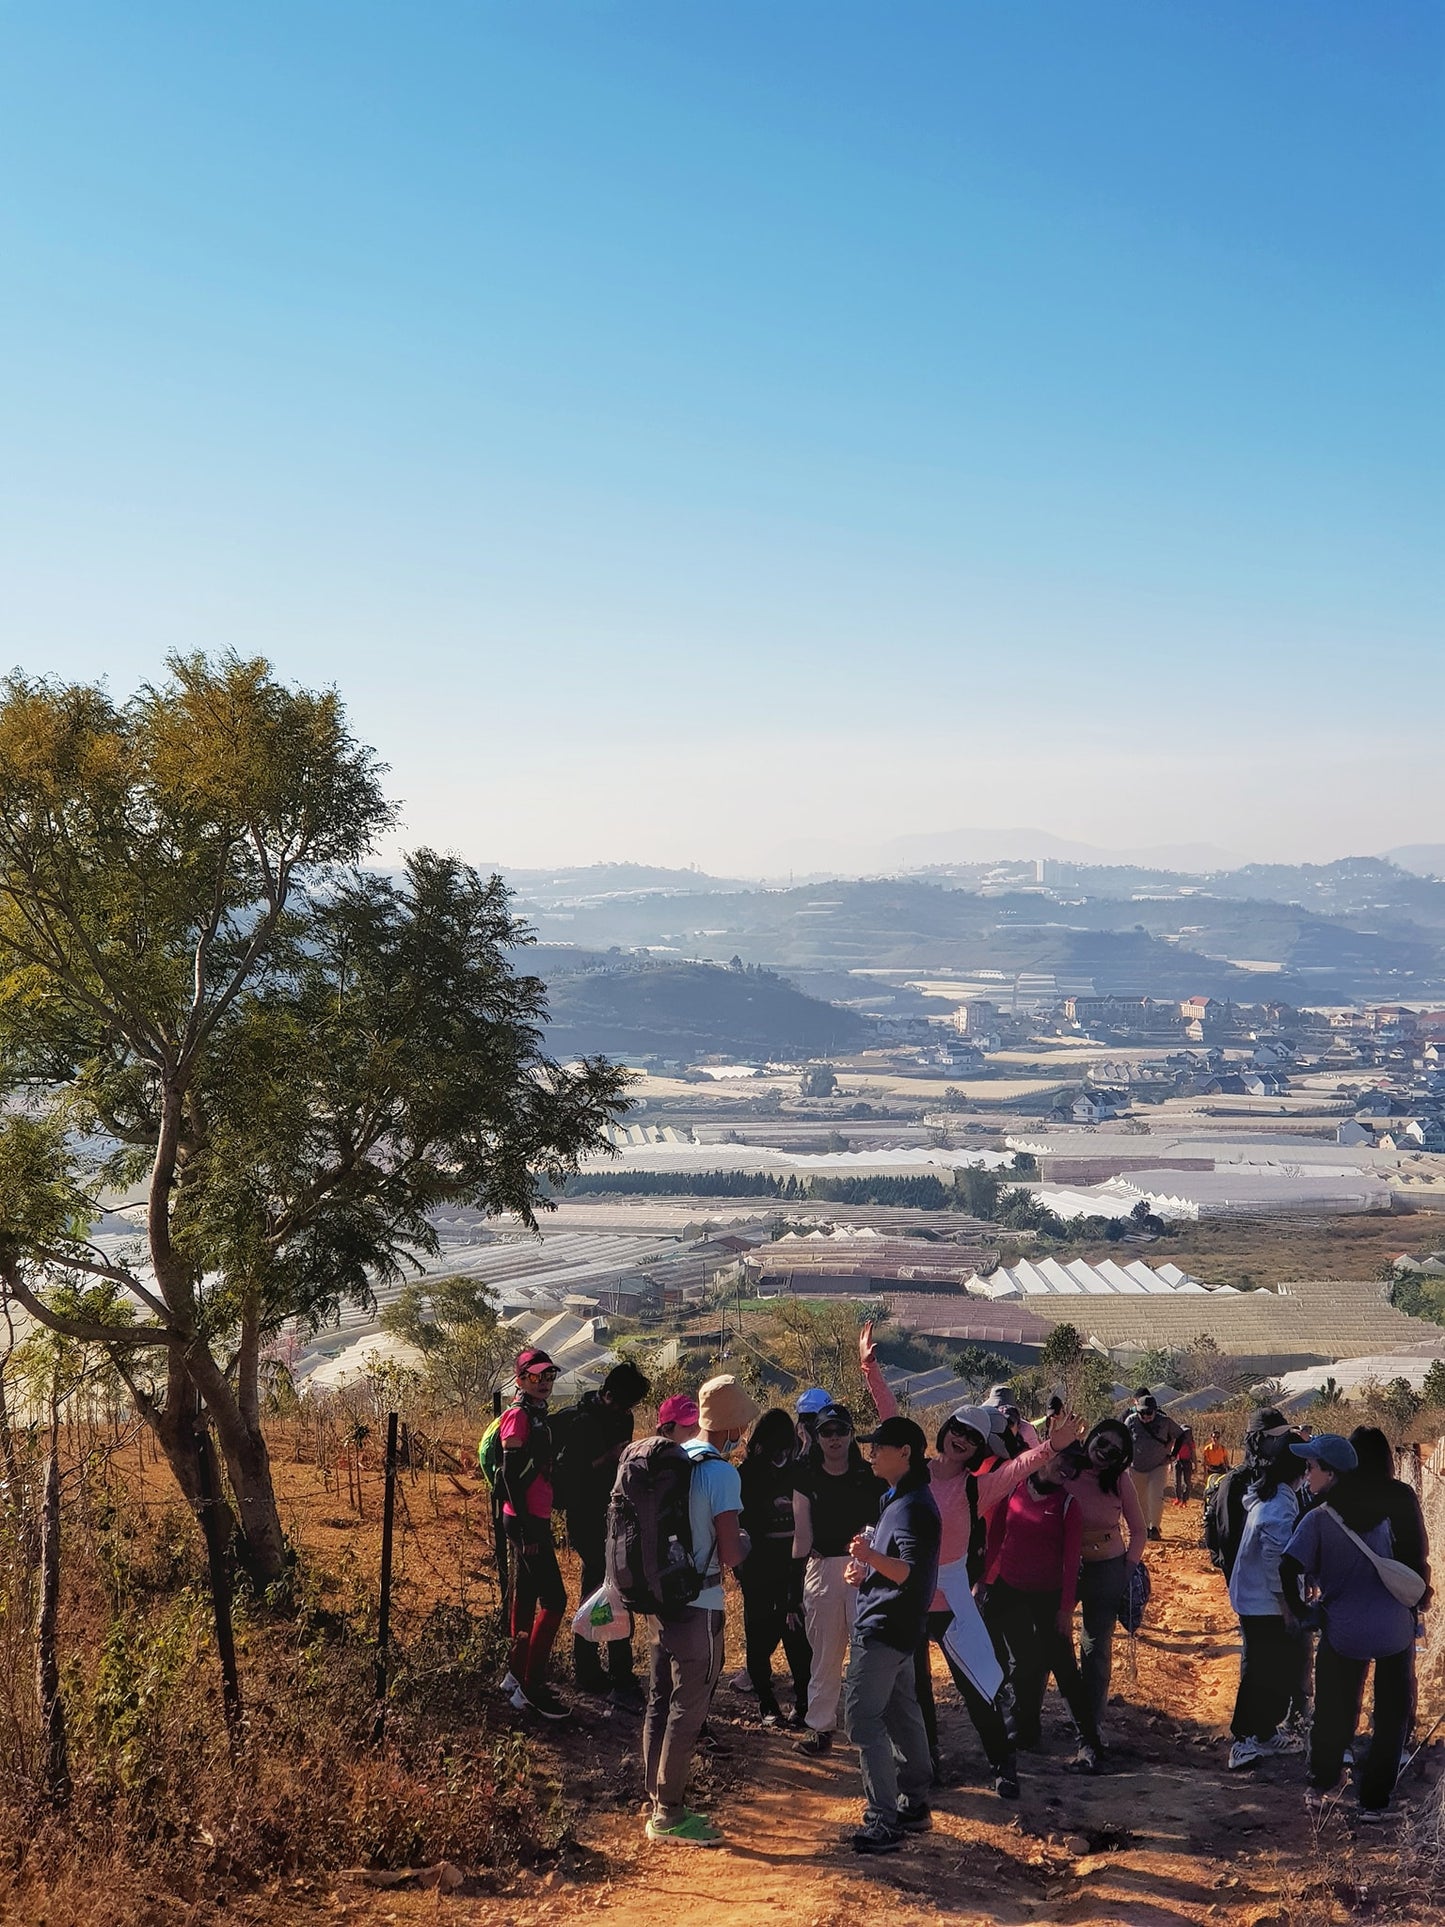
{"points": [[972, 1475], [1113, 1542], [1031, 1572]]}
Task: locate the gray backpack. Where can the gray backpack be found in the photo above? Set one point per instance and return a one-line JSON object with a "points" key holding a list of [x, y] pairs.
{"points": [[649, 1530]]}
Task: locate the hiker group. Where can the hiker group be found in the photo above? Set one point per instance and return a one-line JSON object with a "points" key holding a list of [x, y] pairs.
{"points": [[1327, 1562], [985, 1547]]}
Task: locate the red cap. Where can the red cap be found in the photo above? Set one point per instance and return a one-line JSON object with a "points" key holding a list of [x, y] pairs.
{"points": [[532, 1359]]}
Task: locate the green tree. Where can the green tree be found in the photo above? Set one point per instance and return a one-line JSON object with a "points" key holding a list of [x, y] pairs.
{"points": [[980, 1368], [1433, 1390], [1083, 1374], [818, 1080], [453, 1322], [201, 992], [1157, 1366], [976, 1191]]}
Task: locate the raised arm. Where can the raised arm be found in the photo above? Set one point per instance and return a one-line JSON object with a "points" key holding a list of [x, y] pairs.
{"points": [[882, 1397]]}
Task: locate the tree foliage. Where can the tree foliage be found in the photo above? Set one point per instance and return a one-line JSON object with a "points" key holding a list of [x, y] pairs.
{"points": [[454, 1323], [201, 993]]}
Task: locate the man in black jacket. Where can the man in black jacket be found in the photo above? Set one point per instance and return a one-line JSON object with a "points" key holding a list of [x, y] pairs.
{"points": [[592, 1437]]}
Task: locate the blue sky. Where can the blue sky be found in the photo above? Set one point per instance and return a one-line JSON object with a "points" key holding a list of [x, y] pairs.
{"points": [[727, 432]]}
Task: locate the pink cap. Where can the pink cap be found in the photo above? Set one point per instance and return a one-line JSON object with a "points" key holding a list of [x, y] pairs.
{"points": [[677, 1410]]}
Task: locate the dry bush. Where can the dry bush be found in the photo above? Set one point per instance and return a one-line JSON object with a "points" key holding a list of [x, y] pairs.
{"points": [[159, 1808]]}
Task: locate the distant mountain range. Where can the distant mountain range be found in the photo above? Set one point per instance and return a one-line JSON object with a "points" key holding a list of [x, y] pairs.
{"points": [[1425, 859]]}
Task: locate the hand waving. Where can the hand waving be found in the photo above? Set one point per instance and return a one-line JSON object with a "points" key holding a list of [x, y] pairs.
{"points": [[867, 1349]]}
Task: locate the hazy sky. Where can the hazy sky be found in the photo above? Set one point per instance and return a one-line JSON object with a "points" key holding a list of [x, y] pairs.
{"points": [[743, 432]]}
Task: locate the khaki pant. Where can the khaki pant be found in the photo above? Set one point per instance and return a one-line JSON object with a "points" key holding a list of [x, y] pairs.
{"points": [[685, 1656], [829, 1604], [1150, 1488]]}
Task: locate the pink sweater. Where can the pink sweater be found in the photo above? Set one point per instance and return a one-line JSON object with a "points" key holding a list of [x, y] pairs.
{"points": [[1107, 1516]]}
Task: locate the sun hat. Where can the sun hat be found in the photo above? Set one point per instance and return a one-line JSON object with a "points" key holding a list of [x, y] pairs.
{"points": [[723, 1405], [812, 1401], [1330, 1450], [986, 1420], [680, 1409], [531, 1359]]}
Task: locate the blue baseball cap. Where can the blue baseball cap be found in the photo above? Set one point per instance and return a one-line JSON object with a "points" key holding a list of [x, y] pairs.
{"points": [[813, 1400], [1330, 1449]]}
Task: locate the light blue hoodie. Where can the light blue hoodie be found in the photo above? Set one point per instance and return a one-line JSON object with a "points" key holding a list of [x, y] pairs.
{"points": [[1254, 1587]]}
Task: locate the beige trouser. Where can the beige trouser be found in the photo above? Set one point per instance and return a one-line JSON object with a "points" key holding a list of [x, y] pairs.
{"points": [[829, 1604], [1150, 1488]]}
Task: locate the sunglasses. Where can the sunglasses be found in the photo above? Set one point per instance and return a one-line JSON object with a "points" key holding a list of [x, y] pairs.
{"points": [[1106, 1449], [835, 1431]]}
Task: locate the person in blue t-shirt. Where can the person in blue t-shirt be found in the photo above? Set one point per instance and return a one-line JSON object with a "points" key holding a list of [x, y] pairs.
{"points": [[685, 1652], [895, 1568]]}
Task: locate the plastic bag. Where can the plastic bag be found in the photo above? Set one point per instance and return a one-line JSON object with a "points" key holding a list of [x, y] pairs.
{"points": [[602, 1617]]}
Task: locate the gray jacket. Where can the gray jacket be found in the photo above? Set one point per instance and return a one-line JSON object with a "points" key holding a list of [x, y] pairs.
{"points": [[1155, 1439]]}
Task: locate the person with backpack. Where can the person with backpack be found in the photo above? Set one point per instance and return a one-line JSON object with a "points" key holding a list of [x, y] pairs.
{"points": [[1031, 1578], [894, 1569], [1184, 1467], [1224, 1509], [1112, 1546], [588, 1441], [674, 1527], [971, 1475], [524, 1480], [1271, 1634], [769, 1475], [1155, 1438], [1365, 1594]]}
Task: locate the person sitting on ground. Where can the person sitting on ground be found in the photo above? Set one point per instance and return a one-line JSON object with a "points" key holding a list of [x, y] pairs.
{"points": [[599, 1428], [769, 1474], [971, 1476], [1030, 1581], [1155, 1438], [894, 1569], [1363, 1624], [1271, 1634], [539, 1598], [685, 1652], [1113, 1544]]}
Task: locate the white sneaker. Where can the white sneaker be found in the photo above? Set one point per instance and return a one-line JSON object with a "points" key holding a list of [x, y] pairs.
{"points": [[741, 1683], [1244, 1753], [508, 1684]]}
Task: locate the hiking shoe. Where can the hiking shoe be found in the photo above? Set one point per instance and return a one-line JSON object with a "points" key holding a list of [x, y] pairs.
{"points": [[1283, 1741], [812, 1742], [692, 1830], [770, 1713], [742, 1683], [876, 1838], [540, 1699], [1086, 1760], [1245, 1753], [626, 1697], [915, 1819], [1155, 1533], [508, 1684], [1006, 1784], [713, 1744]]}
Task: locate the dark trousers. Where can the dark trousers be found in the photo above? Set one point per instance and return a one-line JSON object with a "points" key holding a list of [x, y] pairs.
{"points": [[988, 1721], [1268, 1675], [1103, 1588], [539, 1598], [1028, 1625], [588, 1536], [1339, 1690], [1183, 1479], [766, 1576]]}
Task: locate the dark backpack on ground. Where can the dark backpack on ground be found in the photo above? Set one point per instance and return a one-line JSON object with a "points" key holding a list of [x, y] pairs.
{"points": [[649, 1530], [1224, 1517]]}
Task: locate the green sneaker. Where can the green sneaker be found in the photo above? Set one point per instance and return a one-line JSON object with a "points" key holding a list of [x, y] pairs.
{"points": [[692, 1830]]}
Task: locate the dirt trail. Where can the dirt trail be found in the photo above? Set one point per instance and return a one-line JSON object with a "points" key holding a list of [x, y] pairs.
{"points": [[1166, 1837]]}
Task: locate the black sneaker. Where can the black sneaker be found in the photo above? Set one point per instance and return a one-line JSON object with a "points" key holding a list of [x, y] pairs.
{"points": [[1155, 1533], [540, 1699], [876, 1838], [1006, 1781], [812, 1742], [915, 1819]]}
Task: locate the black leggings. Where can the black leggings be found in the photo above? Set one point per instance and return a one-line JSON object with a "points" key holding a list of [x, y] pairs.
{"points": [[1339, 1689], [766, 1577], [988, 1721], [1028, 1625]]}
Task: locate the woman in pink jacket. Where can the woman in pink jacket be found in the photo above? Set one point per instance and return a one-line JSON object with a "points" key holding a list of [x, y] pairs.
{"points": [[1113, 1543]]}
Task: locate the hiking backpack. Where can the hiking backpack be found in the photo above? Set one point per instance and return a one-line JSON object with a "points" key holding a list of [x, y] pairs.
{"points": [[649, 1530], [1224, 1516], [489, 1446]]}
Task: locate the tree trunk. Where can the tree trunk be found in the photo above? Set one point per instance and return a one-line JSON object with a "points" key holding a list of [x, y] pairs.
{"points": [[47, 1662], [262, 1545]]}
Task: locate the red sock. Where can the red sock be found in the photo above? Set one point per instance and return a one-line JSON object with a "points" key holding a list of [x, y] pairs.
{"points": [[539, 1646]]}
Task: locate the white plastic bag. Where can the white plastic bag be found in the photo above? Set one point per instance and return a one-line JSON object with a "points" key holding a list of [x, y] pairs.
{"points": [[602, 1617]]}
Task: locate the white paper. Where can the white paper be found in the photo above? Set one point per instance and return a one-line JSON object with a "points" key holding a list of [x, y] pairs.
{"points": [[966, 1637]]}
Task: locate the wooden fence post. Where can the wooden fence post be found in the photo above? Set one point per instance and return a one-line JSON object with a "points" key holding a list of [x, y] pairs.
{"points": [[383, 1629]]}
